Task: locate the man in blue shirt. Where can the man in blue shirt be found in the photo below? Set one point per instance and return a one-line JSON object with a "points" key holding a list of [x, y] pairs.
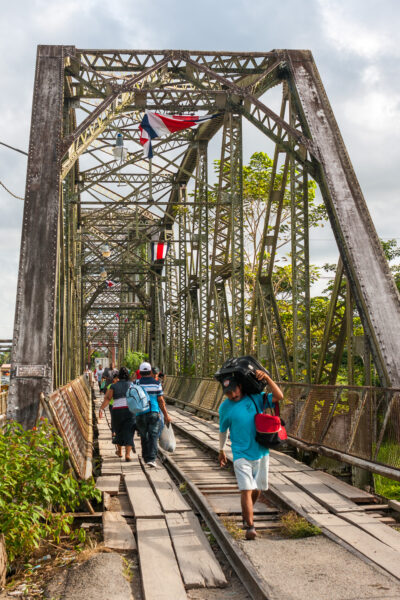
{"points": [[149, 423], [250, 460]]}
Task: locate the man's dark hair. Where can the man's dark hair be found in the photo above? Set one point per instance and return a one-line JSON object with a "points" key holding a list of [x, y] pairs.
{"points": [[123, 373]]}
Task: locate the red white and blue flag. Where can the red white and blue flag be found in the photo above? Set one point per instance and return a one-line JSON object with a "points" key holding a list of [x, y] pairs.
{"points": [[109, 283], [159, 250], [154, 125]]}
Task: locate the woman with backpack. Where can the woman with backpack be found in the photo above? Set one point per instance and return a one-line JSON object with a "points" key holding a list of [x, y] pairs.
{"points": [[123, 421]]}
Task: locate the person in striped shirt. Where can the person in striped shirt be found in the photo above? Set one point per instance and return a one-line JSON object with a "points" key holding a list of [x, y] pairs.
{"points": [[149, 423]]}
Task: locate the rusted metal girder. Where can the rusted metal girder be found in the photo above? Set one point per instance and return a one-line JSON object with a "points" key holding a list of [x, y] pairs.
{"points": [[366, 267], [33, 341], [206, 300]]}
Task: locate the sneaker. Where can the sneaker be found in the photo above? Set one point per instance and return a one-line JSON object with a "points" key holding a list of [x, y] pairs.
{"points": [[151, 464], [251, 533]]}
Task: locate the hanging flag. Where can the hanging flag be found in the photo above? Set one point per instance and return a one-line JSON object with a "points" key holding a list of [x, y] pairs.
{"points": [[117, 316], [109, 283], [154, 125], [159, 250]]}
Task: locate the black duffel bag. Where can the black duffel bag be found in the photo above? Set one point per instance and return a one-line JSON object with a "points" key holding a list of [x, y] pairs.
{"points": [[243, 369]]}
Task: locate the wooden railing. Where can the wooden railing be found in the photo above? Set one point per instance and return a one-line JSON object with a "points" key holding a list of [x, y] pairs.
{"points": [[70, 409], [3, 407]]}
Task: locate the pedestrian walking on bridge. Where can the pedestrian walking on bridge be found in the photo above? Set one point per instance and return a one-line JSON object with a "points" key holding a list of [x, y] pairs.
{"points": [[250, 459], [99, 376], [123, 421], [149, 423]]}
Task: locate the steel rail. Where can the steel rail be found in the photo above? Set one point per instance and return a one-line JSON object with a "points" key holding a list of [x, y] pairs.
{"points": [[254, 584]]}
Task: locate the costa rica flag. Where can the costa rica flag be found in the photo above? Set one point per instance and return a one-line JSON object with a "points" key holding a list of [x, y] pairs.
{"points": [[159, 250], [154, 125]]}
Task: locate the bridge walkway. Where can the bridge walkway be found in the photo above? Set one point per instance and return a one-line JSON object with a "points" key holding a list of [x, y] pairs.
{"points": [[347, 515], [145, 512]]}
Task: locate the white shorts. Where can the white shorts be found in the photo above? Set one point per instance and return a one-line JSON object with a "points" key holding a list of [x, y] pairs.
{"points": [[252, 474]]}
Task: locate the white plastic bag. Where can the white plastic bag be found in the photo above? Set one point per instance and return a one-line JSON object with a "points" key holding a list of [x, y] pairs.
{"points": [[167, 439]]}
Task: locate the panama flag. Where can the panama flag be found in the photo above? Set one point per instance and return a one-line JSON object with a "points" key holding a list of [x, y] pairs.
{"points": [[159, 250], [154, 125], [109, 283]]}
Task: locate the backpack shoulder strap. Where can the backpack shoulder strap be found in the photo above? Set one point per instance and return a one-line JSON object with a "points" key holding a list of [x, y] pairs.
{"points": [[268, 401], [255, 405]]}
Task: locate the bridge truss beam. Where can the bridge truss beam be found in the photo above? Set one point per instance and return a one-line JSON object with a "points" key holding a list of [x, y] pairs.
{"points": [[87, 280]]}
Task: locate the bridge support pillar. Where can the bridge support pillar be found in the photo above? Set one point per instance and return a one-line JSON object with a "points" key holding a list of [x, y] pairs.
{"points": [[32, 351]]}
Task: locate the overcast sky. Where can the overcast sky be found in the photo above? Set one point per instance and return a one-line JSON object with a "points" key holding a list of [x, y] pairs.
{"points": [[354, 43]]}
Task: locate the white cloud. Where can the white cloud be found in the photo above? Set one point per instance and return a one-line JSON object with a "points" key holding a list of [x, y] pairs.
{"points": [[354, 43], [374, 112], [371, 75], [355, 28]]}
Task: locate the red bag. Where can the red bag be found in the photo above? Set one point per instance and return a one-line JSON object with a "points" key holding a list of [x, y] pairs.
{"points": [[270, 429]]}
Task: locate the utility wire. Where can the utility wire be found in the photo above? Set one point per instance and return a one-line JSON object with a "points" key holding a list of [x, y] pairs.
{"points": [[10, 192], [1, 183], [12, 148]]}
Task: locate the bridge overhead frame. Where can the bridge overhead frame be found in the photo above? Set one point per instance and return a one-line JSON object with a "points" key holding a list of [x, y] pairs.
{"points": [[199, 308]]}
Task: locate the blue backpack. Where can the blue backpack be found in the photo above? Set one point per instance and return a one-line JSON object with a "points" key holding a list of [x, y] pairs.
{"points": [[137, 399]]}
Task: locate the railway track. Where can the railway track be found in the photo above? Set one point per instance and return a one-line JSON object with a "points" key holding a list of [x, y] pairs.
{"points": [[160, 507], [215, 495], [137, 497]]}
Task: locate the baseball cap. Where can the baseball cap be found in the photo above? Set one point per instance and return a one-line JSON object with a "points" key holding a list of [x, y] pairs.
{"points": [[229, 384], [145, 367]]}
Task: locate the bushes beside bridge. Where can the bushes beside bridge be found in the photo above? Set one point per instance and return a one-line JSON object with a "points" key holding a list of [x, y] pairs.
{"points": [[37, 489]]}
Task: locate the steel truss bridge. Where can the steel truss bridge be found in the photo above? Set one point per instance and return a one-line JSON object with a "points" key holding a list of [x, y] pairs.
{"points": [[90, 217]]}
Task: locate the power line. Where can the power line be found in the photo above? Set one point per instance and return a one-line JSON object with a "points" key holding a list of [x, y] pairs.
{"points": [[10, 192], [12, 148], [1, 183]]}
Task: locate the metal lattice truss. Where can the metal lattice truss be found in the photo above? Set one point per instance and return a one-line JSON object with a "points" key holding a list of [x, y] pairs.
{"points": [[200, 306]]}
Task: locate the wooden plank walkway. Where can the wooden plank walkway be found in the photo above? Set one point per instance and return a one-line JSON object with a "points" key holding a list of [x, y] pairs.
{"points": [[195, 557], [331, 504], [117, 533], [160, 572], [166, 525], [167, 531], [141, 496]]}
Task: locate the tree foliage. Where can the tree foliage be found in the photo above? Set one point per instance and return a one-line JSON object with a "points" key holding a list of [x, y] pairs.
{"points": [[133, 359]]}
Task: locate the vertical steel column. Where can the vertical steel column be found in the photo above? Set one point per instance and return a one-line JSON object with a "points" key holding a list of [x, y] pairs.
{"points": [[169, 310], [182, 283], [349, 334], [300, 267], [237, 241], [33, 340], [220, 225], [202, 270], [172, 310], [334, 336]]}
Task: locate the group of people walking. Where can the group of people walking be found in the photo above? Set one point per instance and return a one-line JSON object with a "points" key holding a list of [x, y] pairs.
{"points": [[124, 423], [236, 416]]}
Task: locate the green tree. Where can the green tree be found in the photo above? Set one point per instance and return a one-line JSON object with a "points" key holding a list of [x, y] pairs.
{"points": [[133, 359]]}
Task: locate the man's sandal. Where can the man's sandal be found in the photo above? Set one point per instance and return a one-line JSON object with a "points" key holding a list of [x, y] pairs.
{"points": [[251, 533]]}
